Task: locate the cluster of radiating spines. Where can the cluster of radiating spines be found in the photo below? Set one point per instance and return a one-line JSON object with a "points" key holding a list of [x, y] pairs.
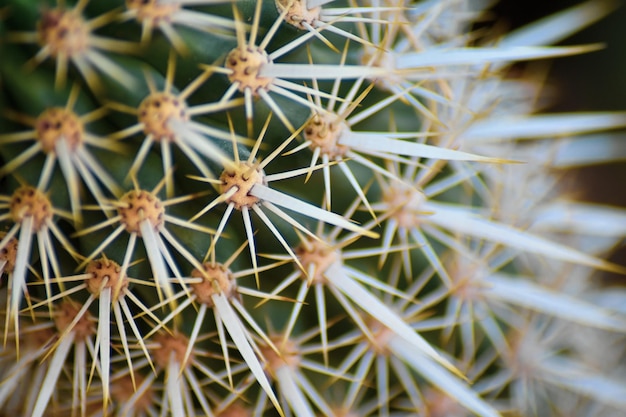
{"points": [[332, 136], [142, 214], [164, 15], [480, 290], [421, 64], [62, 136], [415, 214], [213, 286], [167, 354], [315, 16], [539, 351], [65, 36], [62, 324], [244, 186], [497, 106], [252, 68], [328, 269], [31, 215], [165, 118], [135, 370]]}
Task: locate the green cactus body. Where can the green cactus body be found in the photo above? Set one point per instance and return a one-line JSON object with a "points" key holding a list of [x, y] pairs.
{"points": [[394, 257]]}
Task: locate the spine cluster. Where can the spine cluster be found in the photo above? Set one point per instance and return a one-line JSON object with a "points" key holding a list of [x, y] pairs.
{"points": [[299, 208]]}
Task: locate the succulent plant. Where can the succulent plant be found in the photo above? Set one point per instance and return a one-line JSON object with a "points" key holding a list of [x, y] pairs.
{"points": [[406, 248]]}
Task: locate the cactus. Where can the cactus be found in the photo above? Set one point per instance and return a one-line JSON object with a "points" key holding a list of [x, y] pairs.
{"points": [[406, 246]]}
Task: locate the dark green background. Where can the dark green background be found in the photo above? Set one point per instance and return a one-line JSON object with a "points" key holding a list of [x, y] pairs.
{"points": [[590, 82]]}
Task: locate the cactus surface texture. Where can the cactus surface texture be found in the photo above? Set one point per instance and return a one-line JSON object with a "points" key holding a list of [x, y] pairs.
{"points": [[301, 208]]}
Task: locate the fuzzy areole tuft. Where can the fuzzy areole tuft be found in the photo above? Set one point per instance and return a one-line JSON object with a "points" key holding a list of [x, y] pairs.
{"points": [[243, 176], [104, 269], [298, 14], [152, 12], [169, 345], [316, 256], [66, 312], [287, 355], [56, 123], [216, 279], [139, 205], [63, 32], [245, 64], [8, 253], [28, 201], [122, 390], [406, 204], [324, 131], [157, 110]]}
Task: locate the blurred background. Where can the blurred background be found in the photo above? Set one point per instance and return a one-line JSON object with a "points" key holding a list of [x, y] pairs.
{"points": [[589, 82]]}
